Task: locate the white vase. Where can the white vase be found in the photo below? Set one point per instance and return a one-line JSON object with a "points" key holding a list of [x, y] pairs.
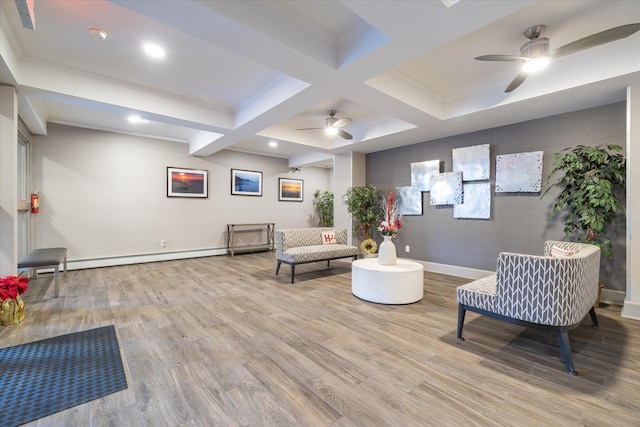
{"points": [[387, 252]]}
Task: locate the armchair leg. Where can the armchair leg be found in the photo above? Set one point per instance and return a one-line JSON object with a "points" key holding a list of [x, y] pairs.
{"points": [[461, 312], [565, 349], [293, 270], [594, 319], [278, 267]]}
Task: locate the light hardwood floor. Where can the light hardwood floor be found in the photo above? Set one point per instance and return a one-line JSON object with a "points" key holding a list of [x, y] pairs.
{"points": [[224, 341]]}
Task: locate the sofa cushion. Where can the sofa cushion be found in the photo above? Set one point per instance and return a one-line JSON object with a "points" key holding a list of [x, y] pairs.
{"points": [[480, 293], [304, 254]]}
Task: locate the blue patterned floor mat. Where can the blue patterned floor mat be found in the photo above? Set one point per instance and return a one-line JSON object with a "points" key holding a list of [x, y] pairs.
{"points": [[47, 376]]}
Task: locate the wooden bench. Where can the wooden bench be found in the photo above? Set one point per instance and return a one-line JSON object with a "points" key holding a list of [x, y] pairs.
{"points": [[45, 258]]}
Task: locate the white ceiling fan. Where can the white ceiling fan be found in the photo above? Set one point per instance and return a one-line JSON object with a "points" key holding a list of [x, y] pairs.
{"points": [[333, 125], [535, 53]]}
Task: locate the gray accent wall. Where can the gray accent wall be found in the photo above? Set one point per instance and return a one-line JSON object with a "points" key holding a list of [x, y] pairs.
{"points": [[104, 195], [519, 222]]}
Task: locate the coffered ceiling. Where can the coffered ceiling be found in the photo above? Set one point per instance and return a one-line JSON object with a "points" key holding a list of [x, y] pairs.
{"points": [[240, 74]]}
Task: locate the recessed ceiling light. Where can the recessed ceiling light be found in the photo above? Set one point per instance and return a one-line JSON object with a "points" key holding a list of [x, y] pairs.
{"points": [[153, 50], [273, 144], [98, 33]]}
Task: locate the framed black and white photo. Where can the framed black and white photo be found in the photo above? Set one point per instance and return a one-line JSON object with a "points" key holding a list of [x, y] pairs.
{"points": [[246, 183], [290, 190], [190, 183]]}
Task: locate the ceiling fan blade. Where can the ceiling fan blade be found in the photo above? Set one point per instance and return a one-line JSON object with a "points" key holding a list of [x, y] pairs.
{"points": [[344, 135], [606, 36], [310, 129], [342, 122], [517, 81], [500, 58]]}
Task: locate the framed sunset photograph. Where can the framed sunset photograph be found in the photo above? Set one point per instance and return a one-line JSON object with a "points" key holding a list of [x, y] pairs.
{"points": [[246, 183], [191, 183], [291, 190]]}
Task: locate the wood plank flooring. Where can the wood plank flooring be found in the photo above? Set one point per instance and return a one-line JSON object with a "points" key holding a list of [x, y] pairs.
{"points": [[224, 341]]}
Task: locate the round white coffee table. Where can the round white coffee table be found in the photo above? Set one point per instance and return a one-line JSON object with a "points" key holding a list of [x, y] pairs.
{"points": [[402, 283]]}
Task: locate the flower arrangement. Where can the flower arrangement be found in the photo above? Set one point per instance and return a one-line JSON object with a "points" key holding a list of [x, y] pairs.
{"points": [[392, 221], [368, 246], [11, 304]]}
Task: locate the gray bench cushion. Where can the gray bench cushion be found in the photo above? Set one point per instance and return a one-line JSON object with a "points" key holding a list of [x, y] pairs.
{"points": [[47, 257]]}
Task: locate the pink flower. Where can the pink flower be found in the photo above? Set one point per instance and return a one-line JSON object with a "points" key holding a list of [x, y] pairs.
{"points": [[391, 223]]}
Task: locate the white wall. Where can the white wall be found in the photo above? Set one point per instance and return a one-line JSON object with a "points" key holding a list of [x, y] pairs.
{"points": [[8, 181], [104, 195]]}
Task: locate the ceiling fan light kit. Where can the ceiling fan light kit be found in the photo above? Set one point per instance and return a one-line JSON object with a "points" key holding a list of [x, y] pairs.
{"points": [[332, 125], [536, 55], [536, 64]]}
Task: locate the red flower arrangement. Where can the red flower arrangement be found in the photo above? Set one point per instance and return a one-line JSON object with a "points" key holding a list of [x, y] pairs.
{"points": [[12, 286], [11, 304], [391, 223]]}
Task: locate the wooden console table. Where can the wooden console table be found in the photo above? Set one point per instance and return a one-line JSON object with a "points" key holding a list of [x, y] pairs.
{"points": [[232, 229]]}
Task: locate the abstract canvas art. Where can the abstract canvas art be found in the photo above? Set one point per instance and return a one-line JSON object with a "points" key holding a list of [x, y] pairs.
{"points": [[409, 200], [476, 203], [446, 188], [519, 173], [422, 172], [473, 162]]}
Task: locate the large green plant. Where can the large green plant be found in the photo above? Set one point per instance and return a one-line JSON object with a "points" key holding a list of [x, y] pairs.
{"points": [[323, 206], [362, 204], [591, 188]]}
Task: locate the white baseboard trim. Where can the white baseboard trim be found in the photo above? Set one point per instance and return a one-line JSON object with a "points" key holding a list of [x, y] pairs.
{"points": [[631, 310], [613, 297], [80, 264], [454, 270]]}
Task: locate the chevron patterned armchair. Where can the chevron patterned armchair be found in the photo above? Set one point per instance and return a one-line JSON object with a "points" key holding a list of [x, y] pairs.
{"points": [[554, 291]]}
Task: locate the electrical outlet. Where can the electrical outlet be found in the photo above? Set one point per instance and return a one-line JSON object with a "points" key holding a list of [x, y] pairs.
{"points": [[163, 243], [406, 248]]}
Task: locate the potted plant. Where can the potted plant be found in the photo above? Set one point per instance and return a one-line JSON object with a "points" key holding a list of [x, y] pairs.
{"points": [[323, 207], [591, 191], [11, 304], [362, 204]]}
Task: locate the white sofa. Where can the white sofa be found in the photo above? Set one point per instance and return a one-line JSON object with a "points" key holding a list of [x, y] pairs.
{"points": [[304, 245], [538, 291]]}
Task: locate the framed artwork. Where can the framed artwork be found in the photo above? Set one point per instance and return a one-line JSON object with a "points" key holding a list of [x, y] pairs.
{"points": [[519, 173], [446, 189], [191, 183], [477, 201], [422, 173], [290, 190], [246, 183], [409, 200], [473, 162]]}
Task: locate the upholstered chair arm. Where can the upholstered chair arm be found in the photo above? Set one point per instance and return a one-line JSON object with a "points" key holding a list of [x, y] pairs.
{"points": [[279, 244], [546, 290]]}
